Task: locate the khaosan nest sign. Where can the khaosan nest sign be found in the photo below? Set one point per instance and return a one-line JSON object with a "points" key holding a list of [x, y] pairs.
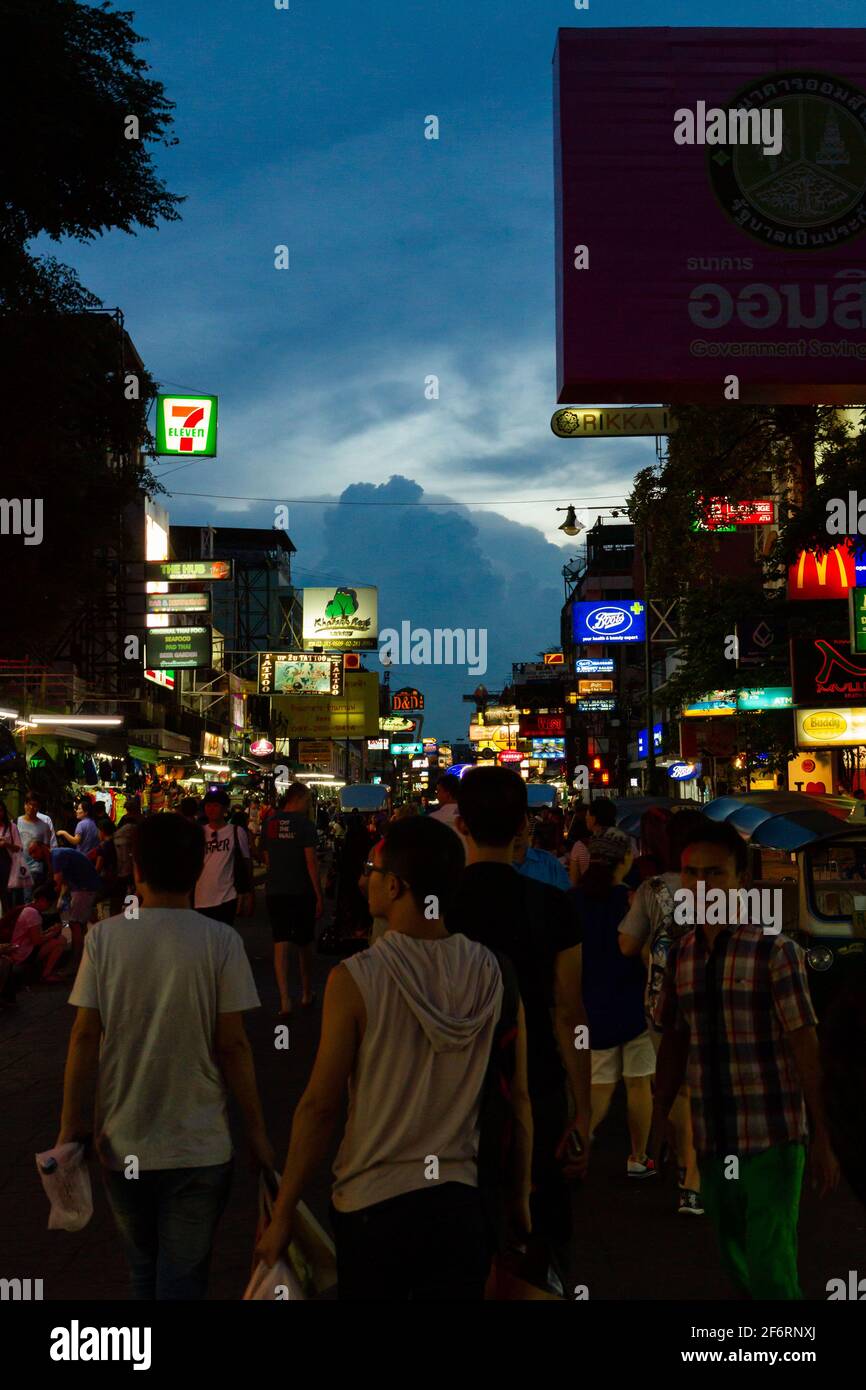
{"points": [[341, 619], [186, 425], [679, 264]]}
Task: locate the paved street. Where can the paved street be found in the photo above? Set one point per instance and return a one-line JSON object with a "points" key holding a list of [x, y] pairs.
{"points": [[621, 1226]]}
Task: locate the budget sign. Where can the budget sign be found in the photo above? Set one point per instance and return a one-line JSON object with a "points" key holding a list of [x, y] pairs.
{"points": [[691, 246], [610, 622]]}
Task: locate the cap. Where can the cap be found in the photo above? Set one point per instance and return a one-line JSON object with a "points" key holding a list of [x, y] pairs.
{"points": [[609, 848]]}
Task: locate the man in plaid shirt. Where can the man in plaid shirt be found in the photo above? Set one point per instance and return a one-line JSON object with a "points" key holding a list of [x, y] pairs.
{"points": [[738, 1023]]}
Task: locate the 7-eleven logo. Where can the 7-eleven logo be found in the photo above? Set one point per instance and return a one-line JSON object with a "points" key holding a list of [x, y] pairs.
{"points": [[186, 425]]}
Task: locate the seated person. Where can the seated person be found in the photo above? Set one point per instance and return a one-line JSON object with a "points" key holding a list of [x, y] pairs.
{"points": [[34, 948]]}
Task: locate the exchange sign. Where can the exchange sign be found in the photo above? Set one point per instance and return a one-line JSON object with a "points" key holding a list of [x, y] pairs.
{"points": [[747, 257], [186, 425]]}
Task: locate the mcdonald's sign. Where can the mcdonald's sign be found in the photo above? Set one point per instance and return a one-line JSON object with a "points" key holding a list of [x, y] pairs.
{"points": [[816, 576]]}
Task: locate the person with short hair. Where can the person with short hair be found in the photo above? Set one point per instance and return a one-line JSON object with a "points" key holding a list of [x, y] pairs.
{"points": [[447, 811], [226, 860], [409, 1025], [536, 928], [736, 1017], [159, 1026], [293, 891], [537, 863], [33, 831], [189, 808], [613, 991], [86, 837], [600, 815]]}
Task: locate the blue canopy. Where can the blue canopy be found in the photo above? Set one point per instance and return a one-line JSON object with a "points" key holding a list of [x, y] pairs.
{"points": [[798, 828]]}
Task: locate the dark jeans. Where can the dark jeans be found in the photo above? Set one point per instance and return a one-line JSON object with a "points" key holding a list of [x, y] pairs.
{"points": [[167, 1218], [223, 912], [429, 1246]]}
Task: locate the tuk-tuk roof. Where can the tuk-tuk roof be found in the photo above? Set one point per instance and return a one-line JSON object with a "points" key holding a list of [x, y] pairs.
{"points": [[540, 794], [776, 820]]}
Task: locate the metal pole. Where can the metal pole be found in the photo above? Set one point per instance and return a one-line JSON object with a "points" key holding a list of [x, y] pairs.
{"points": [[648, 674]]}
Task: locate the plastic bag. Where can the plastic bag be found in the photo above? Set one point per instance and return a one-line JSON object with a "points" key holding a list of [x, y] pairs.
{"points": [[278, 1283], [66, 1179]]}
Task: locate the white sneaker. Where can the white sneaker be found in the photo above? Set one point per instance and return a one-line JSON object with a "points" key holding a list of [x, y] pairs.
{"points": [[640, 1167]]}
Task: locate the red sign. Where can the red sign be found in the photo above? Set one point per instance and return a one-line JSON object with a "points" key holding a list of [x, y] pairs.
{"points": [[824, 672], [407, 699], [721, 511], [744, 259], [541, 725], [816, 576], [510, 755], [554, 658]]}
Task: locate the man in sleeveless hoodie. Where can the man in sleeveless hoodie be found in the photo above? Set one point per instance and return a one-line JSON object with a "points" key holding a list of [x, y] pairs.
{"points": [[409, 1025]]}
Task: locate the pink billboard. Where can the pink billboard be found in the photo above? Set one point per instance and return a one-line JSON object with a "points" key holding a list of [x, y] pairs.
{"points": [[711, 215]]}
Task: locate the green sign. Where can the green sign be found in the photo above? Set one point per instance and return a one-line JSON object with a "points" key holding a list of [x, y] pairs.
{"points": [[178, 603], [179, 571], [170, 647], [186, 425], [771, 697], [857, 616]]}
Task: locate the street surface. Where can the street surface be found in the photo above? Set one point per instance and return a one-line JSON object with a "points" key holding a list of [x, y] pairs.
{"points": [[630, 1243]]}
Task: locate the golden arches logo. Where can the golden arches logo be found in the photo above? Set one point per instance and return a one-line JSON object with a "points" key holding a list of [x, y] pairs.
{"points": [[821, 563]]}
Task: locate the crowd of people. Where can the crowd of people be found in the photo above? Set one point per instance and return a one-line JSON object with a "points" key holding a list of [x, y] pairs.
{"points": [[510, 982]]}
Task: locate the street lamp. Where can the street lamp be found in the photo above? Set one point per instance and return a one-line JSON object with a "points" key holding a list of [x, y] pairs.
{"points": [[571, 526]]}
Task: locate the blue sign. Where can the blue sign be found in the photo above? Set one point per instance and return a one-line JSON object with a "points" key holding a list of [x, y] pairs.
{"points": [[643, 742], [600, 665], [458, 769], [610, 622], [860, 566], [412, 750], [548, 748], [684, 772]]}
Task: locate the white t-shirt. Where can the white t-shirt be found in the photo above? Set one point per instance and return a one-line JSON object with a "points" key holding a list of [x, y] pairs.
{"points": [[216, 882], [159, 983], [448, 814]]}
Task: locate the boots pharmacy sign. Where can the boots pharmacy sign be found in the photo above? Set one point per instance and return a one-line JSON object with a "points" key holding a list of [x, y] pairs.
{"points": [[186, 425], [748, 257], [610, 622]]}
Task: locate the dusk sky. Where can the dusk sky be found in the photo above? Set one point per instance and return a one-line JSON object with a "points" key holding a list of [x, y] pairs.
{"points": [[409, 258]]}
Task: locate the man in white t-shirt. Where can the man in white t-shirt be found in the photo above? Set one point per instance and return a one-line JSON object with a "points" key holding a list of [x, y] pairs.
{"points": [[447, 811], [216, 893], [160, 1003]]}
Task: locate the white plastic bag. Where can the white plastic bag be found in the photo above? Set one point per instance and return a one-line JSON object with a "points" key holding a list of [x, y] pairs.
{"points": [[66, 1179], [279, 1283]]}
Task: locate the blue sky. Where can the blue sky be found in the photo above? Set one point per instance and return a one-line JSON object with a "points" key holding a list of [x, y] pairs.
{"points": [[408, 258]]}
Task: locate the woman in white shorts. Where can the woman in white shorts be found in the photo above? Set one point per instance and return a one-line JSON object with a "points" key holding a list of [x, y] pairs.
{"points": [[613, 993]]}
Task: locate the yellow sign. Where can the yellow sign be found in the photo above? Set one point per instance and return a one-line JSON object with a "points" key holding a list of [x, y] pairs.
{"points": [[354, 714], [571, 423], [831, 728], [314, 752]]}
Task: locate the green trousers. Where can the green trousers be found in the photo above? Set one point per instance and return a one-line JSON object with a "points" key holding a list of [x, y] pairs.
{"points": [[755, 1216]]}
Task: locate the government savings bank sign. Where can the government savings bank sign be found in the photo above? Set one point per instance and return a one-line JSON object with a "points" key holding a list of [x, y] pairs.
{"points": [[679, 264]]}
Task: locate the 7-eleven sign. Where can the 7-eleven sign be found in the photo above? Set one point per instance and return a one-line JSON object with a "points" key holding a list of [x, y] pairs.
{"points": [[186, 425]]}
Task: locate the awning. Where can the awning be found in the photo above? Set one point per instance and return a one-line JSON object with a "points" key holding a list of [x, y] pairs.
{"points": [[145, 755]]}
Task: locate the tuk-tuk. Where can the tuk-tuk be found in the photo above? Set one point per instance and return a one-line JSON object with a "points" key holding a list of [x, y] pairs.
{"points": [[816, 855]]}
